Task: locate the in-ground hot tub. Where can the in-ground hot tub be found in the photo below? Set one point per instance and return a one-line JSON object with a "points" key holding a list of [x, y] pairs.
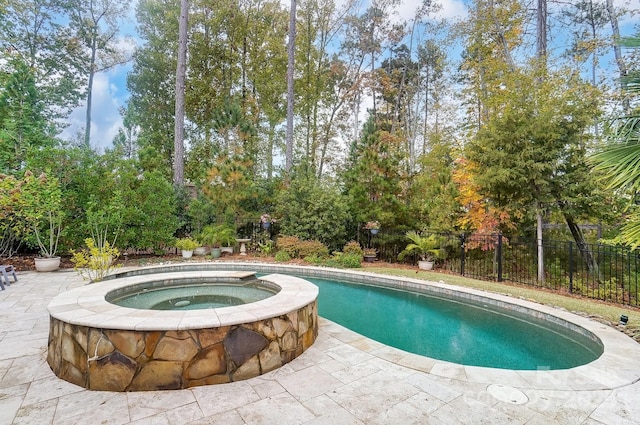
{"points": [[103, 346]]}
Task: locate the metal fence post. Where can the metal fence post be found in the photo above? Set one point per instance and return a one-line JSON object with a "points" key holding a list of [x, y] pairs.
{"points": [[570, 267], [462, 242], [499, 248]]}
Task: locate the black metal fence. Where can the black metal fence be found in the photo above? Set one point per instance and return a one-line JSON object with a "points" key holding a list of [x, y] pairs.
{"points": [[599, 271]]}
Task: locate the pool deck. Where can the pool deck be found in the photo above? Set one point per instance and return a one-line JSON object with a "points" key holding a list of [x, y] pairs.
{"points": [[343, 378]]}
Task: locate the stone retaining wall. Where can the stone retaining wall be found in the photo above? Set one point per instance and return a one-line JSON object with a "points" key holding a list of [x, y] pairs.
{"points": [[129, 360]]}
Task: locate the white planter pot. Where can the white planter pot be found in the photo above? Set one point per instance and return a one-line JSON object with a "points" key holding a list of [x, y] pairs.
{"points": [[200, 251], [187, 254], [227, 249], [47, 264], [425, 265]]}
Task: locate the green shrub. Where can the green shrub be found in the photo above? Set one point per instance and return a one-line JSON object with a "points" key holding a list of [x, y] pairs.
{"points": [[350, 261], [282, 256], [354, 248], [314, 259], [289, 244], [312, 248]]}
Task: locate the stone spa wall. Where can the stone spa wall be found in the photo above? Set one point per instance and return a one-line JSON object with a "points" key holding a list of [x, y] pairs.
{"points": [[129, 360], [102, 346]]}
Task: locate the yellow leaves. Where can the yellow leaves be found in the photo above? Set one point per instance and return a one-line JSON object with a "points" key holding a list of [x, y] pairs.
{"points": [[480, 215], [94, 262]]}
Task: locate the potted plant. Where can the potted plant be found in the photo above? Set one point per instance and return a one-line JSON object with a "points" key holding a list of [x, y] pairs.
{"points": [[426, 247], [187, 245], [41, 210], [216, 236], [370, 254], [372, 226]]}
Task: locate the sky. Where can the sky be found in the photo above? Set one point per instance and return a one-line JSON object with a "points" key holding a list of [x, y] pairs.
{"points": [[110, 91]]}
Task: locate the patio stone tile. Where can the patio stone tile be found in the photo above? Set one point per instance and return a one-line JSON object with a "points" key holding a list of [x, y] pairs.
{"points": [[148, 403], [91, 408], [433, 386], [281, 409], [8, 409], [367, 398], [469, 411], [328, 412], [37, 413], [620, 407], [216, 399], [231, 417], [49, 388], [309, 383], [267, 388]]}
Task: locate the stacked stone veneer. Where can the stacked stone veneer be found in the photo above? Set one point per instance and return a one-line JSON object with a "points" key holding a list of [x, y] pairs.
{"points": [[128, 360]]}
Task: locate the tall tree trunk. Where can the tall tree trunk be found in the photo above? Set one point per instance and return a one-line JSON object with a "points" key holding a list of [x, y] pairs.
{"points": [[181, 70], [622, 66], [539, 244], [92, 73], [541, 51], [583, 247], [290, 71]]}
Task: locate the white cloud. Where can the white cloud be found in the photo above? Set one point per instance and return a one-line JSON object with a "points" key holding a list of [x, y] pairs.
{"points": [[450, 9], [109, 95]]}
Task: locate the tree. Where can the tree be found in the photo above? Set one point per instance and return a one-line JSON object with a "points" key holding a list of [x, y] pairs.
{"points": [[37, 33], [533, 154], [97, 24], [181, 70], [151, 83], [23, 124], [619, 158], [290, 70]]}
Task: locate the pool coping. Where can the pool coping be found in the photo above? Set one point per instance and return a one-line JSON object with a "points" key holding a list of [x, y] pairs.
{"points": [[87, 306], [615, 368]]}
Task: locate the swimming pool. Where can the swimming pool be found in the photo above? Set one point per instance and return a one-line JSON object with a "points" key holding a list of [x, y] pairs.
{"points": [[443, 328], [438, 321]]}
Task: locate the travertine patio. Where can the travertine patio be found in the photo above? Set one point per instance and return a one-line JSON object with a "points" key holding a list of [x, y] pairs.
{"points": [[343, 378]]}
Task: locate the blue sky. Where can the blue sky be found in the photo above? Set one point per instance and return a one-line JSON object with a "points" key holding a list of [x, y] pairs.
{"points": [[110, 92]]}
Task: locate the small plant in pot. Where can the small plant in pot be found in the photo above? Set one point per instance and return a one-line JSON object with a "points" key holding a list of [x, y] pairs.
{"points": [[41, 210], [370, 254], [187, 245], [426, 247], [216, 236]]}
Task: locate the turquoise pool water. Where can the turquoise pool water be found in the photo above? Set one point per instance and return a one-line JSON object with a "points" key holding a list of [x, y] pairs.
{"points": [[448, 330]]}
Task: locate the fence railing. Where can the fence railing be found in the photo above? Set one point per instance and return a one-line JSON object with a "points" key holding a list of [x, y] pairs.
{"points": [[604, 272]]}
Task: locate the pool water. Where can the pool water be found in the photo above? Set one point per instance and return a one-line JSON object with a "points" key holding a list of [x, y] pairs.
{"points": [[193, 296], [453, 331]]}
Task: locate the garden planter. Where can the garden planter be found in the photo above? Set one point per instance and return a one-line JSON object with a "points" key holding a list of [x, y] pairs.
{"points": [[216, 252], [200, 251], [187, 253], [369, 258], [425, 265], [227, 249], [47, 264], [374, 231]]}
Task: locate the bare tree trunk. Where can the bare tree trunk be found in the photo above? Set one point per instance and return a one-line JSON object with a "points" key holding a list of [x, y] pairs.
{"points": [[541, 51], [290, 71], [181, 70], [539, 244], [92, 73], [622, 66]]}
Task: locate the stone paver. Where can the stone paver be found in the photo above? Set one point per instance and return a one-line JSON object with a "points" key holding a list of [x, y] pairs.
{"points": [[343, 378]]}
